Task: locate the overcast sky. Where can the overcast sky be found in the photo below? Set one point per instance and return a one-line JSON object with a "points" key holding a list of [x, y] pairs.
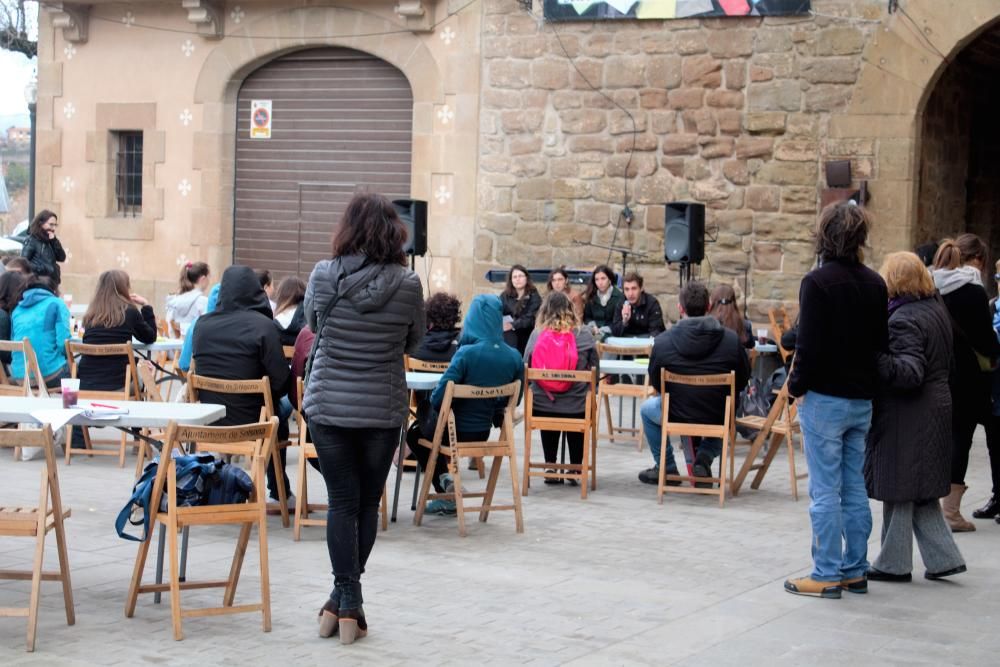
{"points": [[15, 72]]}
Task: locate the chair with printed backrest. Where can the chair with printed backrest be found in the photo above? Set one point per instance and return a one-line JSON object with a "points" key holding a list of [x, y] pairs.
{"points": [[637, 392], [37, 522], [307, 450], [255, 442], [34, 384], [445, 443], [780, 424], [778, 328], [585, 472], [723, 431], [130, 391], [262, 386]]}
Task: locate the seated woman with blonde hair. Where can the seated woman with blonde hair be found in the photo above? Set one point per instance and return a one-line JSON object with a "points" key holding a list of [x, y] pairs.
{"points": [[908, 452]]}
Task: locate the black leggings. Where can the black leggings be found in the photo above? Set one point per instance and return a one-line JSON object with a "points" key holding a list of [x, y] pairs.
{"points": [[355, 463], [423, 454], [550, 439], [963, 427]]}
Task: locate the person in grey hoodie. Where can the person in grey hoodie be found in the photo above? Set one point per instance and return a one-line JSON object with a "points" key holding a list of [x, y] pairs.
{"points": [[367, 310], [958, 267], [558, 314]]}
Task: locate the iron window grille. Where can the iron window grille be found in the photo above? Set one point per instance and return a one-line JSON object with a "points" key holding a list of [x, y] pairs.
{"points": [[128, 174]]}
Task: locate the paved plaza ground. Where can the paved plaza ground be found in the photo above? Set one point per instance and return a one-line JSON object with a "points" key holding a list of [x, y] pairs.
{"points": [[615, 579]]}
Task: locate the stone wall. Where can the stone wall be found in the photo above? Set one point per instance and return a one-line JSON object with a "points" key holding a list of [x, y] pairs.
{"points": [[578, 119]]}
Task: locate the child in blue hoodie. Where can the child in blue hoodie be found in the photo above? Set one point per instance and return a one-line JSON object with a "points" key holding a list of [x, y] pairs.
{"points": [[43, 319], [483, 359]]}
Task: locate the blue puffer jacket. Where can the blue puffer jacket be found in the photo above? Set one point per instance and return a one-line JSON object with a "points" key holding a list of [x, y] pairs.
{"points": [[42, 318], [483, 359]]}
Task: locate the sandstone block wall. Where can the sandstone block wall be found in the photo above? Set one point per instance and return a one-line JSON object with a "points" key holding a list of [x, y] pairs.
{"points": [[578, 119]]}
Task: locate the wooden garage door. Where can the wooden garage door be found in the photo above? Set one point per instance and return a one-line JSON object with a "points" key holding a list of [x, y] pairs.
{"points": [[341, 122]]}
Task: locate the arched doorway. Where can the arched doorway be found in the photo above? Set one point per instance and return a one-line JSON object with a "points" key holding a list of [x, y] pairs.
{"points": [[341, 121], [959, 169]]}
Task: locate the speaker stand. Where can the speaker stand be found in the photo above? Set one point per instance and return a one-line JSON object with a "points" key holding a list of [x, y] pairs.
{"points": [[625, 252]]}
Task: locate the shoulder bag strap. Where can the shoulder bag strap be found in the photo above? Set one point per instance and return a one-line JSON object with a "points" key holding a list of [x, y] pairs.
{"points": [[320, 324]]}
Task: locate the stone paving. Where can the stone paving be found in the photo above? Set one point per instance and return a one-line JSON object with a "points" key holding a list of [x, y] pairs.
{"points": [[615, 579]]}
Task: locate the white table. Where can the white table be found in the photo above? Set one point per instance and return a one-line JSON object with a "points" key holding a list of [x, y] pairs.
{"points": [[141, 414], [620, 341], [422, 381], [624, 367], [767, 348], [78, 309]]}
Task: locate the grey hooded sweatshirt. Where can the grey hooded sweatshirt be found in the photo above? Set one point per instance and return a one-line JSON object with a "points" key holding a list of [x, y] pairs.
{"points": [[357, 378]]}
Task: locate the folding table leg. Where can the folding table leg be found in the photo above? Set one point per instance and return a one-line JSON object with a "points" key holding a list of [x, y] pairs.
{"points": [[399, 471], [160, 547]]}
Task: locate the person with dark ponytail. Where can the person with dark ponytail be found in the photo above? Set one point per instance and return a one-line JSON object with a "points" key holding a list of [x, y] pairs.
{"points": [[190, 301], [958, 271], [42, 249], [723, 307]]}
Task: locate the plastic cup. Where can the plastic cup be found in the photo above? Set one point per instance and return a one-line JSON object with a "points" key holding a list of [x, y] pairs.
{"points": [[762, 336], [70, 392]]}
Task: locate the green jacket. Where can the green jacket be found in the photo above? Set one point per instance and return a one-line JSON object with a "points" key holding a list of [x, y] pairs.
{"points": [[603, 316]]}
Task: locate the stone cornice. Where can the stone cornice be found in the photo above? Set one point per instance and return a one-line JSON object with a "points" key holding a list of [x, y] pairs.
{"points": [[415, 14], [72, 18], [207, 15]]}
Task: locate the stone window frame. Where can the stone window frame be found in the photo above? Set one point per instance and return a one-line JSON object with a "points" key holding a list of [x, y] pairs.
{"points": [[111, 118]]}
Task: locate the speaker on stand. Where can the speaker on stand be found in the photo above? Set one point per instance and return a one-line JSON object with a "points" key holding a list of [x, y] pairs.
{"points": [[413, 213], [684, 236]]}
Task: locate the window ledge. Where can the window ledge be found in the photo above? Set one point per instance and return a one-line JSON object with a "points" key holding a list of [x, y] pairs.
{"points": [[126, 229]]}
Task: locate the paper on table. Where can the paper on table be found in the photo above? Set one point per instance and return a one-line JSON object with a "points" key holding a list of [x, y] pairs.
{"points": [[56, 418]]}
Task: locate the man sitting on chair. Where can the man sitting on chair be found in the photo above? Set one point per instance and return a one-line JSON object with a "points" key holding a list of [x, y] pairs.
{"points": [[640, 315], [697, 345]]}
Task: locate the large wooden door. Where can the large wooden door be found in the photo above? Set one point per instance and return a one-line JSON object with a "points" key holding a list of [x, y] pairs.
{"points": [[341, 121]]}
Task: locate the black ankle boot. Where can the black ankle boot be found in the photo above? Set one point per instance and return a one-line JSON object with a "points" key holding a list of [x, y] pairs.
{"points": [[988, 511]]}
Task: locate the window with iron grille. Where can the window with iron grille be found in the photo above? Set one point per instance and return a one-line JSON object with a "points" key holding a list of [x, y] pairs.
{"points": [[128, 174]]}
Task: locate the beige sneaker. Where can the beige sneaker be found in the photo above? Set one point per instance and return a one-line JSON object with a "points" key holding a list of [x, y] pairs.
{"points": [[812, 588]]}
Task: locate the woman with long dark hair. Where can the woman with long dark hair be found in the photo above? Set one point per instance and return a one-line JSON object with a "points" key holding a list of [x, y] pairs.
{"points": [[559, 282], [723, 307], [520, 300], [601, 301], [42, 249], [367, 310], [115, 315], [958, 276], [289, 314], [11, 284]]}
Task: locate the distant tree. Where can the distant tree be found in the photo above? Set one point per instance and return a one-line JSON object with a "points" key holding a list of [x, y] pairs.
{"points": [[17, 177], [15, 24]]}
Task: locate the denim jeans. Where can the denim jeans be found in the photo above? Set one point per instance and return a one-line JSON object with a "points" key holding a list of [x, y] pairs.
{"points": [[651, 414], [834, 430], [355, 463]]}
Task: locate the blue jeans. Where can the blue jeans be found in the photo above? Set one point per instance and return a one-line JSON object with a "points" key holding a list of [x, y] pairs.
{"points": [[834, 430], [651, 414]]}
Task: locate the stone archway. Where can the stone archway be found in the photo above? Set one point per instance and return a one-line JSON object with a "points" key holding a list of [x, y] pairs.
{"points": [[899, 71]]}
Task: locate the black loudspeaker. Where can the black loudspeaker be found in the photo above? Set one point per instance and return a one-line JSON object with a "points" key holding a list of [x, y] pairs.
{"points": [[684, 233], [413, 213]]}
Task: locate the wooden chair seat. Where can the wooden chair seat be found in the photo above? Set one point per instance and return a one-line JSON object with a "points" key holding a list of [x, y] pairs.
{"points": [[447, 445], [33, 383], [36, 522], [584, 472]]}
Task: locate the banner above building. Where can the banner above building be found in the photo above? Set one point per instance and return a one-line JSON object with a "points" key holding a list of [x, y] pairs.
{"points": [[589, 10]]}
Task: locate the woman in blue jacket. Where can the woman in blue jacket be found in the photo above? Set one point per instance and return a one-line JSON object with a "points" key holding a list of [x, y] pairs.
{"points": [[43, 319]]}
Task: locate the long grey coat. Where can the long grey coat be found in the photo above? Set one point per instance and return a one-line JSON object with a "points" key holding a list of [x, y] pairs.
{"points": [[357, 378], [908, 454]]}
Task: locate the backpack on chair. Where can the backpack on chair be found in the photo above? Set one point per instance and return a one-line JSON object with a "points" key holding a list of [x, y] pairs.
{"points": [[555, 351]]}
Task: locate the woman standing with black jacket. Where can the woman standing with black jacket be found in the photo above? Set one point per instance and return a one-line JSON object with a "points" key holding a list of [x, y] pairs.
{"points": [[520, 300], [958, 268], [42, 249], [367, 310]]}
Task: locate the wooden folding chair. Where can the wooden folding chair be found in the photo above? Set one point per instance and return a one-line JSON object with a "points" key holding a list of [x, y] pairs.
{"points": [[36, 522], [500, 449], [637, 392], [262, 386], [130, 391], [253, 441], [151, 393], [780, 424], [307, 450], [586, 471], [723, 431], [288, 351], [777, 329], [34, 382]]}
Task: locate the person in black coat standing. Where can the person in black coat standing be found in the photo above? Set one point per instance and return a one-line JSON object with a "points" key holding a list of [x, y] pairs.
{"points": [[520, 301], [908, 453], [42, 249], [958, 270]]}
